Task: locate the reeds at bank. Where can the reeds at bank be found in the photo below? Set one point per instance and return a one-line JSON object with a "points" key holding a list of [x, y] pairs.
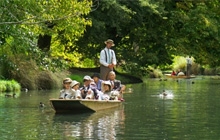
{"points": [[9, 86]]}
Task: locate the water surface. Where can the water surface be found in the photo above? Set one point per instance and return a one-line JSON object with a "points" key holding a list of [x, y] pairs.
{"points": [[192, 112]]}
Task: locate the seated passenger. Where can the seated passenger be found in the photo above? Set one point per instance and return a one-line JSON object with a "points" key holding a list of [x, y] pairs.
{"points": [[116, 85], [95, 90], [173, 73], [180, 74], [75, 87], [66, 92], [97, 81], [106, 90], [107, 93], [86, 91]]}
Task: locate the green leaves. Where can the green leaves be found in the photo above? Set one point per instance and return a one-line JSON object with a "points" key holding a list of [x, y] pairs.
{"points": [[23, 21], [146, 32]]}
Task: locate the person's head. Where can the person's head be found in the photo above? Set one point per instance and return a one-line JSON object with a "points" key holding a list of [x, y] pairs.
{"points": [[66, 83], [86, 80], [92, 84], [106, 85], [75, 85], [109, 43], [95, 77], [111, 75]]}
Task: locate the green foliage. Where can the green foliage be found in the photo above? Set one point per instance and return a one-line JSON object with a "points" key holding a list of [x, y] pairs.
{"points": [[77, 77], [146, 32], [197, 34], [22, 22], [9, 86], [151, 32], [179, 62]]}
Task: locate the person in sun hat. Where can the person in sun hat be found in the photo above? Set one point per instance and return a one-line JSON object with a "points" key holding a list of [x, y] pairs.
{"points": [[75, 87], [107, 59], [66, 91], [86, 91], [107, 92]]}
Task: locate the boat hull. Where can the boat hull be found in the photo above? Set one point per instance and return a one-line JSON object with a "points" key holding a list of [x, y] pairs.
{"points": [[81, 106], [181, 76]]}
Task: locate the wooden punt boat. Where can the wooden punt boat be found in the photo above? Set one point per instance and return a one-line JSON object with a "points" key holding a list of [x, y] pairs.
{"points": [[181, 76], [82, 106]]}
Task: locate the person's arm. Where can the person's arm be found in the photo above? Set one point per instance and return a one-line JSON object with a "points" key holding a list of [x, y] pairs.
{"points": [[102, 59], [123, 87], [114, 61]]}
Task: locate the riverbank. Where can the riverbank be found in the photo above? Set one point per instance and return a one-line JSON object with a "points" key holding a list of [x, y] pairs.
{"points": [[45, 80]]}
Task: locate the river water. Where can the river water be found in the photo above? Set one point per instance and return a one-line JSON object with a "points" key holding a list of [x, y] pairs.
{"points": [[190, 111]]}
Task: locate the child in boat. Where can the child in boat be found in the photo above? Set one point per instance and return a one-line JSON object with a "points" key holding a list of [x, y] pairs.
{"points": [[75, 87], [86, 91], [66, 92]]}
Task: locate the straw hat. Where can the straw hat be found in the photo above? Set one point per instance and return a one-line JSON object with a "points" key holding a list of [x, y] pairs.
{"points": [[110, 41], [87, 78], [107, 83], [67, 80], [74, 82]]}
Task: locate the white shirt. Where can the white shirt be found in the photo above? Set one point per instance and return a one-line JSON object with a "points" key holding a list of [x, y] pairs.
{"points": [[111, 59], [189, 61]]}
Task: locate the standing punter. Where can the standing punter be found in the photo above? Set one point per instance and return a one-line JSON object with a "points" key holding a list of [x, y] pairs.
{"points": [[107, 59], [188, 65]]}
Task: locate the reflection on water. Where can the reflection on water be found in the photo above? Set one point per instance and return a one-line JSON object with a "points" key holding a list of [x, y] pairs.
{"points": [[100, 125]]}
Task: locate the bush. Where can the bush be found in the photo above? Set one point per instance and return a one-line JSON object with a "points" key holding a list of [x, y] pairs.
{"points": [[9, 86]]}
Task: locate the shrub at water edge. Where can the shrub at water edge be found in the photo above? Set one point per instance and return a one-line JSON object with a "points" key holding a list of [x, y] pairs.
{"points": [[9, 86]]}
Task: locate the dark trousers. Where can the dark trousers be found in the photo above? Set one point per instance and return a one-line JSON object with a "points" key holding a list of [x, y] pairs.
{"points": [[188, 69], [104, 71]]}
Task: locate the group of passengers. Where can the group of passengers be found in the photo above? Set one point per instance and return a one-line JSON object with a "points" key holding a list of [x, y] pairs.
{"points": [[93, 88], [178, 73]]}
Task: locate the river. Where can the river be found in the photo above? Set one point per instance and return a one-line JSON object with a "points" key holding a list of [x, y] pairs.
{"points": [[190, 111]]}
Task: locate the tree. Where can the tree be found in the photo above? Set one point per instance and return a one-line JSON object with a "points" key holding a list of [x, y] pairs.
{"points": [[195, 30], [41, 30]]}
